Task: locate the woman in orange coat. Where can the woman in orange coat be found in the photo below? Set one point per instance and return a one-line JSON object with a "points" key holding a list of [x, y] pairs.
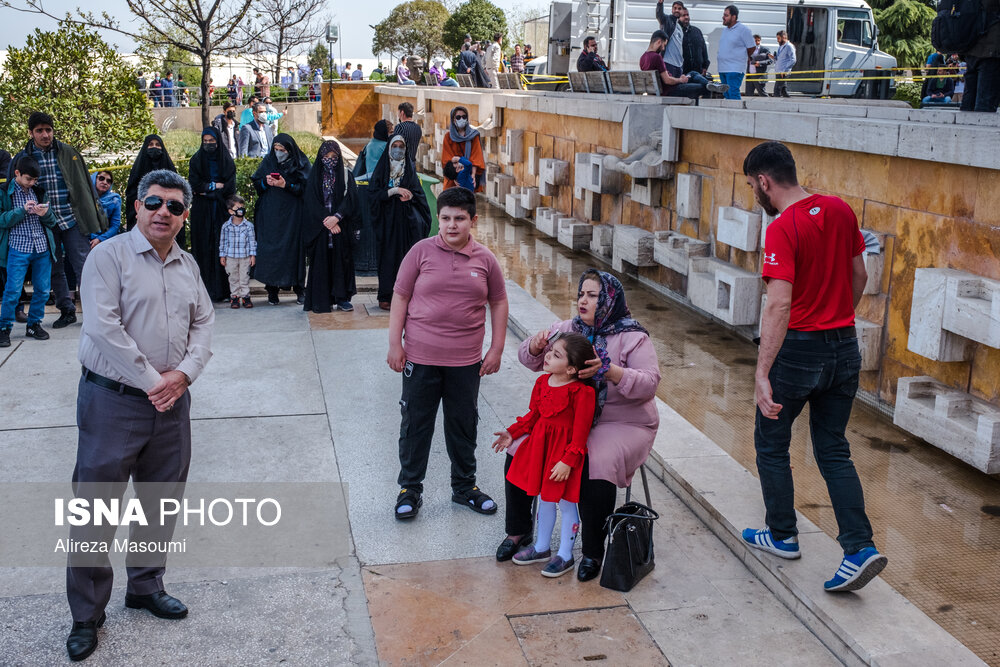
{"points": [[463, 141]]}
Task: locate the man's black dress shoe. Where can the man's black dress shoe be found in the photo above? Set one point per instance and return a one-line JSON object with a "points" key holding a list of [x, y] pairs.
{"points": [[588, 569], [159, 604], [82, 638], [509, 547]]}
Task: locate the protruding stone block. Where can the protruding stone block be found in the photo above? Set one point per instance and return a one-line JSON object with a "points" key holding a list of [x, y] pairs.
{"points": [[575, 234], [870, 343], [972, 308], [513, 206], [927, 335], [646, 191], [498, 188], [422, 149], [725, 291], [675, 251], [439, 169], [601, 240], [956, 422], [545, 220], [513, 148], [645, 162], [600, 177], [533, 155], [530, 198], [553, 172], [632, 245], [874, 261], [689, 196], [738, 228]]}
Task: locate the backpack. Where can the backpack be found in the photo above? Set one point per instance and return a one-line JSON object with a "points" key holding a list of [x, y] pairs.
{"points": [[958, 25]]}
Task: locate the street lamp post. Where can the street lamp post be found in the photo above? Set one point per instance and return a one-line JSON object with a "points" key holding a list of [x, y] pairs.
{"points": [[332, 37]]}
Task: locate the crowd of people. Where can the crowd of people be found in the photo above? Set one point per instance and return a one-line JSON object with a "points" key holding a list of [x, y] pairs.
{"points": [[591, 418]]}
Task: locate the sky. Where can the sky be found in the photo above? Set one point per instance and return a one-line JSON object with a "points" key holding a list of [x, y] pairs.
{"points": [[355, 33]]}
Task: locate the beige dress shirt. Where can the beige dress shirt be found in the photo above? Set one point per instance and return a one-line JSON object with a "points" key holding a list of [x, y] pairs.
{"points": [[143, 316]]}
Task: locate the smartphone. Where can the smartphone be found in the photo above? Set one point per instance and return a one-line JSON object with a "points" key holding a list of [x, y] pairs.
{"points": [[274, 175]]}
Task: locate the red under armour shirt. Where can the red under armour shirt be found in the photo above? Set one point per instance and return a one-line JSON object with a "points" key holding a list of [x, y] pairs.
{"points": [[812, 245]]}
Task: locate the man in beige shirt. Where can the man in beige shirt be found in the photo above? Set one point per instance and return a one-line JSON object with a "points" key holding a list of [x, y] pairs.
{"points": [[147, 335]]}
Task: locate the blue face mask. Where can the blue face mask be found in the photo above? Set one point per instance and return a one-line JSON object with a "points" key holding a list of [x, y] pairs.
{"points": [[397, 153]]}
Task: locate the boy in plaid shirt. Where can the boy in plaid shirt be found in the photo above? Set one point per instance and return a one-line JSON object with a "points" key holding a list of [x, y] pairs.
{"points": [[238, 251], [26, 224]]}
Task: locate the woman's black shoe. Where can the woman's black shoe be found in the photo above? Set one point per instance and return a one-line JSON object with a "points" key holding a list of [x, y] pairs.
{"points": [[588, 569], [509, 547]]}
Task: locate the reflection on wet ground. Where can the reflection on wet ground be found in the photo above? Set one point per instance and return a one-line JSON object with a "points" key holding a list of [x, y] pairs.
{"points": [[936, 518]]}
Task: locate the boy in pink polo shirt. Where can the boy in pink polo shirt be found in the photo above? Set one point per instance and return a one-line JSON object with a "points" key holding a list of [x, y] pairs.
{"points": [[439, 299]]}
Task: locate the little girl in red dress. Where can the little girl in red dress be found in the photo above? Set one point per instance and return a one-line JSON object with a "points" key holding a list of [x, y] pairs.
{"points": [[548, 463]]}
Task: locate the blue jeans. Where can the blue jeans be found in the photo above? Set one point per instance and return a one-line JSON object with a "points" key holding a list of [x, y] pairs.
{"points": [[734, 80], [824, 374], [449, 82], [17, 266], [408, 82], [941, 100]]}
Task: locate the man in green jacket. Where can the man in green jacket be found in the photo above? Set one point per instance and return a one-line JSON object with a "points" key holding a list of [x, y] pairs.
{"points": [[74, 203]]}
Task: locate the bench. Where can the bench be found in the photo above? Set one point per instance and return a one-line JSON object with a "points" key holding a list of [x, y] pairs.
{"points": [[465, 81], [430, 79], [634, 83], [509, 80]]}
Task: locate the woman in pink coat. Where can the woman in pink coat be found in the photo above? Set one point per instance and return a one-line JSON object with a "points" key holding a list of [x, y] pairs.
{"points": [[627, 374]]}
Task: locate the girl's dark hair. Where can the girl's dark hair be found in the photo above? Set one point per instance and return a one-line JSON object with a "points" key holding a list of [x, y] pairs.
{"points": [[579, 350]]}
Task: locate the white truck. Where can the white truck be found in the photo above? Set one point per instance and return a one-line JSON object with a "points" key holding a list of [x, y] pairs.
{"points": [[827, 35]]}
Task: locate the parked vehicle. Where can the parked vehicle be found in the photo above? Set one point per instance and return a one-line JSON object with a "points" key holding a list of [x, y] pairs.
{"points": [[828, 35]]}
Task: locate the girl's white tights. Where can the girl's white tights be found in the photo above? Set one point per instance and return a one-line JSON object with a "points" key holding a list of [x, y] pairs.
{"points": [[547, 523]]}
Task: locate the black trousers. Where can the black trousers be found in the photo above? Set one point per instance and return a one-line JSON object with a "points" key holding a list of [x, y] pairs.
{"points": [[424, 389], [120, 437], [597, 503], [982, 85]]}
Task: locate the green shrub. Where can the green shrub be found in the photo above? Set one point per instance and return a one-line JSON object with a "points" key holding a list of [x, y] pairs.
{"points": [[909, 92]]}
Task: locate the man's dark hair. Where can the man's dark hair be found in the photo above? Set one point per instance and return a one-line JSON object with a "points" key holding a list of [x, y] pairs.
{"points": [[773, 159], [588, 39], [677, 2], [28, 166], [450, 172], [406, 108], [465, 46], [458, 198], [757, 37], [228, 105], [781, 33], [233, 200], [169, 180], [39, 118], [733, 10], [497, 36], [658, 35]]}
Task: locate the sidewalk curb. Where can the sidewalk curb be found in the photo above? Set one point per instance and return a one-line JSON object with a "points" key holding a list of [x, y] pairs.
{"points": [[877, 626]]}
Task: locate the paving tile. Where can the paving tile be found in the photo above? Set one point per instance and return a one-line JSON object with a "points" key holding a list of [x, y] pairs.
{"points": [[603, 636], [468, 597]]}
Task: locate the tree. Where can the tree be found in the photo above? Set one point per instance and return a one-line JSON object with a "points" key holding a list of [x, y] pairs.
{"points": [[297, 23], [319, 58], [479, 18], [412, 28], [516, 19], [203, 28], [904, 28], [82, 82]]}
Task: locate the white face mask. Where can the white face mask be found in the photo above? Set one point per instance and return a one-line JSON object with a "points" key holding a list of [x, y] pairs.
{"points": [[262, 118], [397, 153], [280, 156], [460, 123]]}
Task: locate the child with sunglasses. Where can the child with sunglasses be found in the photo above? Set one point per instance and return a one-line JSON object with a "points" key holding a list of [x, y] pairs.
{"points": [[238, 251]]}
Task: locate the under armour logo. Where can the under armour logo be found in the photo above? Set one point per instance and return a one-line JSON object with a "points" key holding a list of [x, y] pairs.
{"points": [[771, 258], [814, 210]]}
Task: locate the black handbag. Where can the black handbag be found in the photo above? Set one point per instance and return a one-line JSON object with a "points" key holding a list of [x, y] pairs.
{"points": [[628, 552]]}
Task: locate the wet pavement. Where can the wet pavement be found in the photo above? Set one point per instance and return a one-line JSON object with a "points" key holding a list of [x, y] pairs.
{"points": [[936, 518]]}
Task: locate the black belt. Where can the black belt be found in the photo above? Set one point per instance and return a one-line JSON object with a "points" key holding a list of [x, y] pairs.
{"points": [[828, 335], [108, 383]]}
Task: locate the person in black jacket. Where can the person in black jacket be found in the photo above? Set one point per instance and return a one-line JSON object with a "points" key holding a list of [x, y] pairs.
{"points": [[668, 21], [468, 63], [695, 48], [759, 60], [589, 61]]}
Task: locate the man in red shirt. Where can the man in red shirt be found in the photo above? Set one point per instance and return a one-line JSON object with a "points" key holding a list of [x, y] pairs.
{"points": [[815, 274]]}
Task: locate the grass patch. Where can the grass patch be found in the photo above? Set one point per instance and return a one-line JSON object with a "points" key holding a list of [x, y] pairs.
{"points": [[182, 144]]}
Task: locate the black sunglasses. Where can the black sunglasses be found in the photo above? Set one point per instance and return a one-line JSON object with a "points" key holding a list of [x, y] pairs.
{"points": [[105, 179], [153, 203], [460, 117]]}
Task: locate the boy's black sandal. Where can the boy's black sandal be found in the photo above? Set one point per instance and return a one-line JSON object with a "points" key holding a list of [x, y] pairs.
{"points": [[411, 498], [474, 499]]}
